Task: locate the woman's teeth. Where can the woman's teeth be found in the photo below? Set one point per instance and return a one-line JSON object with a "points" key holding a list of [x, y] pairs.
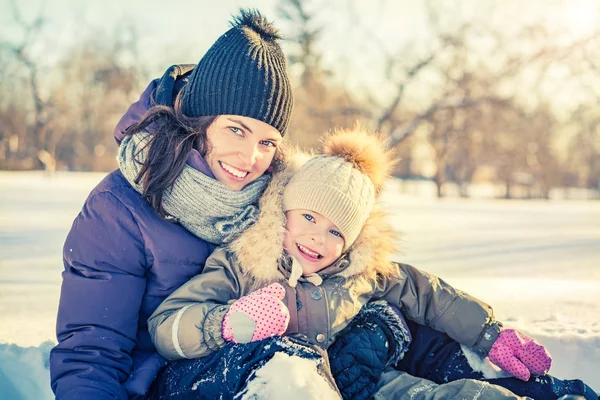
{"points": [[233, 170]]}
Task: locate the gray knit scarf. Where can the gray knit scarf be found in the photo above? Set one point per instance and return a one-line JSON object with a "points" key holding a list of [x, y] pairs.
{"points": [[203, 205]]}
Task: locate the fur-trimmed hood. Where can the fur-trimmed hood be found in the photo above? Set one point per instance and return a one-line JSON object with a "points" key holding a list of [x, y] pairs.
{"points": [[259, 249]]}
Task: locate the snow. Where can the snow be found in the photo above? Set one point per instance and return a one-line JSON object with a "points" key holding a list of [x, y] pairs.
{"points": [[302, 381], [536, 262], [483, 365]]}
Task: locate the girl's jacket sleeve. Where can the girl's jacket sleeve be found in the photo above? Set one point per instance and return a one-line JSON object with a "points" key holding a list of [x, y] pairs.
{"points": [[102, 289], [396, 385], [188, 323], [430, 301]]}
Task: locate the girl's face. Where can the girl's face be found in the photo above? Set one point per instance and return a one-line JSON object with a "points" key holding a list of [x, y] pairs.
{"points": [[312, 239], [240, 149]]}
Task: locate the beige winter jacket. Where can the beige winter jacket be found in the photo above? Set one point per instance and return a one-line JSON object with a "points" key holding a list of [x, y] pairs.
{"points": [[188, 323]]}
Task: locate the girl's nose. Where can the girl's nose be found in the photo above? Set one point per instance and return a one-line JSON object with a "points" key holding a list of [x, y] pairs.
{"points": [[317, 237]]}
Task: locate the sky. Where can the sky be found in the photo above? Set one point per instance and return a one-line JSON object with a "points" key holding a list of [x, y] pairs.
{"points": [[198, 23], [356, 33], [182, 34]]}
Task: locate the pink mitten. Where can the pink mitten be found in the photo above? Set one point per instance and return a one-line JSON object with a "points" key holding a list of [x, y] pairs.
{"points": [[519, 355], [257, 316]]}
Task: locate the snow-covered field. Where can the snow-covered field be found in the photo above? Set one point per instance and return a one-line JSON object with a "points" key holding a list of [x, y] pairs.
{"points": [[537, 263]]}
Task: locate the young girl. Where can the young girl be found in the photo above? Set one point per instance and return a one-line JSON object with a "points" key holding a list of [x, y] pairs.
{"points": [[318, 252]]}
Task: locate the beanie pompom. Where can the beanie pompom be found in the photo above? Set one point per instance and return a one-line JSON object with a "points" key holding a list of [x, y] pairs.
{"points": [[243, 73], [366, 151], [254, 20]]}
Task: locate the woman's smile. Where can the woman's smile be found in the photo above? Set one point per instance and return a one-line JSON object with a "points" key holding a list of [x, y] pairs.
{"points": [[235, 173], [241, 149]]}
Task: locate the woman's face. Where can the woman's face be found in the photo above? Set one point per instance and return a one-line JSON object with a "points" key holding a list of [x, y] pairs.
{"points": [[240, 149]]}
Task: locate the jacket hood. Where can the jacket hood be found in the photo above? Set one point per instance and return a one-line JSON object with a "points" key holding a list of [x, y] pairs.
{"points": [[161, 91], [259, 249]]}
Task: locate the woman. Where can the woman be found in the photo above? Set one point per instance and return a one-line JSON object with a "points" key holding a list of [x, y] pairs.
{"points": [[149, 226]]}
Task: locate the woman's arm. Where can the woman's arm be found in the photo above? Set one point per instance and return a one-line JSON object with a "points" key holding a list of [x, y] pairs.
{"points": [[188, 323], [428, 300], [102, 289]]}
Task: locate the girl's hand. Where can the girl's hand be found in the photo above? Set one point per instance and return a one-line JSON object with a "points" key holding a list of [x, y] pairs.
{"points": [[257, 316], [519, 355]]}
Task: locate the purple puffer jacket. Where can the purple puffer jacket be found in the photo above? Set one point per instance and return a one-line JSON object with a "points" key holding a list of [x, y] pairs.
{"points": [[121, 261]]}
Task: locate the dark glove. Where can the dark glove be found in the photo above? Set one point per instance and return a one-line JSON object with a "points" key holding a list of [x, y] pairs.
{"points": [[376, 337], [174, 78]]}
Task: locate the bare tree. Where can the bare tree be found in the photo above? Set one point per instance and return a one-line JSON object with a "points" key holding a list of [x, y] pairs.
{"points": [[583, 158], [65, 120], [319, 104], [43, 113], [97, 87]]}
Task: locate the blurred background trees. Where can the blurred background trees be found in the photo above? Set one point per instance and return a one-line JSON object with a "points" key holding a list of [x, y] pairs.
{"points": [[474, 99]]}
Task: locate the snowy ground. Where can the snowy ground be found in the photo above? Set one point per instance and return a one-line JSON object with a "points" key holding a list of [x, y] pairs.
{"points": [[537, 263]]}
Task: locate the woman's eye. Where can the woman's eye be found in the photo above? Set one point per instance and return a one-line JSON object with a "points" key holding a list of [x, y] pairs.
{"points": [[336, 233], [236, 131], [308, 217]]}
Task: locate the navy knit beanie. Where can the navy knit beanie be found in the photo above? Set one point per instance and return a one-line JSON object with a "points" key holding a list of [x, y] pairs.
{"points": [[243, 73]]}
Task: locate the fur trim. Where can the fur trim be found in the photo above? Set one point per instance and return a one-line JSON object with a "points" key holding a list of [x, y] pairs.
{"points": [[370, 254], [381, 310], [260, 248], [367, 151]]}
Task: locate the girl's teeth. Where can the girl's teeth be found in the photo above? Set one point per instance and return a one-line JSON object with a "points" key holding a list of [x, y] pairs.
{"points": [[307, 251]]}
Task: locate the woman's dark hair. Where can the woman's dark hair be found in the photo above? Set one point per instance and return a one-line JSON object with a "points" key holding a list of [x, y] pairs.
{"points": [[174, 135]]}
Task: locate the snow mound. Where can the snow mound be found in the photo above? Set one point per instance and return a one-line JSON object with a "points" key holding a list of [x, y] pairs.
{"points": [[301, 381], [24, 372]]}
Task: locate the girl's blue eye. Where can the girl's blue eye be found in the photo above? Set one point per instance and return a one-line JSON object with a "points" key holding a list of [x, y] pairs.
{"points": [[336, 233], [236, 131], [308, 217], [268, 143]]}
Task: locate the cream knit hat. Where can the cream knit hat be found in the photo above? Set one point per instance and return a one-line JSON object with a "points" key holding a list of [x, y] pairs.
{"points": [[341, 184]]}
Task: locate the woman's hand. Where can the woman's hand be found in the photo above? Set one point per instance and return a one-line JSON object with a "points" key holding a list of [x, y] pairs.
{"points": [[519, 355], [257, 316]]}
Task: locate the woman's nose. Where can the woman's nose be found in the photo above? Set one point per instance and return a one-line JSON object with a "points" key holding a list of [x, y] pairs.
{"points": [[248, 155]]}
